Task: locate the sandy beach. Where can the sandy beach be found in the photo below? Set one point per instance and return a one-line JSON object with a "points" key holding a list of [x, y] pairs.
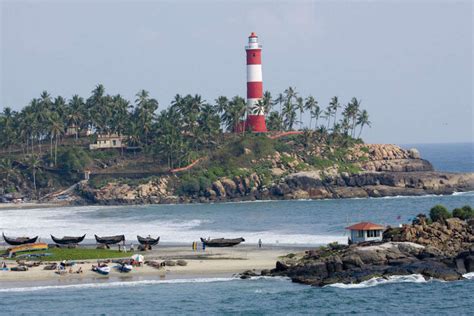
{"points": [[213, 262]]}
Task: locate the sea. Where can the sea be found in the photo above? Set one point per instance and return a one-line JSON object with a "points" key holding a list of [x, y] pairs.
{"points": [[303, 223]]}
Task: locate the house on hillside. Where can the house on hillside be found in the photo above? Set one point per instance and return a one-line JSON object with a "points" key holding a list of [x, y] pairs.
{"points": [[365, 231], [72, 130], [109, 141]]}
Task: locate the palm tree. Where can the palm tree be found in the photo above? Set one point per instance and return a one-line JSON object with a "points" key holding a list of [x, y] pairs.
{"points": [[300, 106], [327, 115], [56, 129], [289, 115], [274, 121], [75, 113], [310, 105], [145, 111], [362, 120], [34, 163], [7, 168], [334, 104], [267, 102]]}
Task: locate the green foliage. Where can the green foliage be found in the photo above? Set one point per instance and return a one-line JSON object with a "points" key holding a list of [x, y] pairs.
{"points": [[464, 213], [320, 163], [439, 213], [73, 159], [364, 149]]}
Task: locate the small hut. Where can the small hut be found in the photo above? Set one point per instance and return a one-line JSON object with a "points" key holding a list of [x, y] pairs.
{"points": [[365, 231]]}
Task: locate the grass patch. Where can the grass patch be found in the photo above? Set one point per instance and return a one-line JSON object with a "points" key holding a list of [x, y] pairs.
{"points": [[59, 254]]}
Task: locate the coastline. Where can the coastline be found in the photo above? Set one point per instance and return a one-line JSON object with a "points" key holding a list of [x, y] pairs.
{"points": [[209, 264], [51, 204]]}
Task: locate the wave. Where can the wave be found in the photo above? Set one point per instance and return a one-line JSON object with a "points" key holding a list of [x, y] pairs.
{"points": [[469, 275], [412, 278], [115, 284]]}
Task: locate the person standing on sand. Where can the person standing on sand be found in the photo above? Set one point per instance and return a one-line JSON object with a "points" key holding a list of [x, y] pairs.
{"points": [[259, 243]]}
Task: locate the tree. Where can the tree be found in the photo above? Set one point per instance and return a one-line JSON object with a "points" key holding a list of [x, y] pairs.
{"points": [[439, 213], [274, 121], [464, 213], [312, 106], [300, 106], [334, 105], [34, 163], [75, 114], [145, 112], [363, 120]]}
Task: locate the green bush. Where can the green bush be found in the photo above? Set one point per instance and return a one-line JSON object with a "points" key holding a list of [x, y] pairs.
{"points": [[439, 213], [73, 159], [189, 185], [466, 212]]}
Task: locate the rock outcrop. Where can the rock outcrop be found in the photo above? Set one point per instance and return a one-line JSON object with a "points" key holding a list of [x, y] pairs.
{"points": [[384, 170], [439, 257]]}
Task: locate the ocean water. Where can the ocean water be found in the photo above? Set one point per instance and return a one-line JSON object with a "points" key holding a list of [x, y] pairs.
{"points": [[408, 295], [275, 222], [454, 157]]}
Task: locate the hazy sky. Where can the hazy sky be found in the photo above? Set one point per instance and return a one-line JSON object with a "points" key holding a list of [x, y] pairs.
{"points": [[409, 62]]}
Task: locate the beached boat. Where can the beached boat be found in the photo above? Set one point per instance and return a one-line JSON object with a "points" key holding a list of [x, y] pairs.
{"points": [[27, 247], [104, 269], [67, 240], [222, 242], [19, 240], [110, 240], [124, 267], [148, 240]]}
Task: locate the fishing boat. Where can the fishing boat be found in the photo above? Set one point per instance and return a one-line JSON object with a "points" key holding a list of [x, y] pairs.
{"points": [[67, 240], [19, 240], [110, 240], [27, 247], [124, 267], [101, 269], [222, 242], [148, 240]]}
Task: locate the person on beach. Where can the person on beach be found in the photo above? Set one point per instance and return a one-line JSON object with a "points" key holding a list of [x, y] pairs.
{"points": [[4, 266], [259, 243], [79, 270]]}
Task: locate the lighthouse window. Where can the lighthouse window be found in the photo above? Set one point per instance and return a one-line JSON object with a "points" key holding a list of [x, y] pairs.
{"points": [[253, 54]]}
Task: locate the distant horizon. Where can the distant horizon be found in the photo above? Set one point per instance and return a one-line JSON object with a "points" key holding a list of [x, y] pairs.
{"points": [[415, 79]]}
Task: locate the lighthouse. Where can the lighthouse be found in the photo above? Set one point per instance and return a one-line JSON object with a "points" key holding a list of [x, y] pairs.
{"points": [[255, 109]]}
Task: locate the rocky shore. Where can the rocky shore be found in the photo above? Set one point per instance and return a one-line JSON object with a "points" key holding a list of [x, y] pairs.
{"points": [[440, 250], [382, 170]]}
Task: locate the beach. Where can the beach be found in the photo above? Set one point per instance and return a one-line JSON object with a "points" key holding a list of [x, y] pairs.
{"points": [[208, 263]]}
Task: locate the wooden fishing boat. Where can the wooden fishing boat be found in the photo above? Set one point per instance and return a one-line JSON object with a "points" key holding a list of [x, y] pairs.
{"points": [[67, 240], [27, 247], [110, 240], [148, 240], [19, 240], [222, 242]]}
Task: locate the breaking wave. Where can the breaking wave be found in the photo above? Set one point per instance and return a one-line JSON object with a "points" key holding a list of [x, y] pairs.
{"points": [[412, 278]]}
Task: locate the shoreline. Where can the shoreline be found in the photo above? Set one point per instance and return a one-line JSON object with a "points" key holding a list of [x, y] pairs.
{"points": [[34, 205], [209, 264]]}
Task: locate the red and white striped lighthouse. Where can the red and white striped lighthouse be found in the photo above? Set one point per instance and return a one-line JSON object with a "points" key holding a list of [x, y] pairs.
{"points": [[255, 110]]}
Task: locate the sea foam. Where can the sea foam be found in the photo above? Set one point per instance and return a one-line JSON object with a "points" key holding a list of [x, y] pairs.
{"points": [[412, 278]]}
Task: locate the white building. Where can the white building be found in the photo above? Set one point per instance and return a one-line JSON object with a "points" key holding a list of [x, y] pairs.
{"points": [[365, 231], [108, 142]]}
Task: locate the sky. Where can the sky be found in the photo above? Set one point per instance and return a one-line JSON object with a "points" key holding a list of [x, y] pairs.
{"points": [[410, 62]]}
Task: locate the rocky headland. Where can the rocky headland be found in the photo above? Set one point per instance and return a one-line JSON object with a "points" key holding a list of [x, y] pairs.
{"points": [[364, 171], [440, 250]]}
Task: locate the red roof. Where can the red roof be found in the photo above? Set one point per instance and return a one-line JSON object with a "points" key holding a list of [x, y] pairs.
{"points": [[253, 34], [365, 226]]}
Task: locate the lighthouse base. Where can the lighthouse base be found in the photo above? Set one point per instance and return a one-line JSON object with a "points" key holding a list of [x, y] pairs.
{"points": [[256, 123]]}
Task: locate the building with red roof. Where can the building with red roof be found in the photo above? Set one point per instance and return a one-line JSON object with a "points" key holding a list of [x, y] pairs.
{"points": [[365, 231]]}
